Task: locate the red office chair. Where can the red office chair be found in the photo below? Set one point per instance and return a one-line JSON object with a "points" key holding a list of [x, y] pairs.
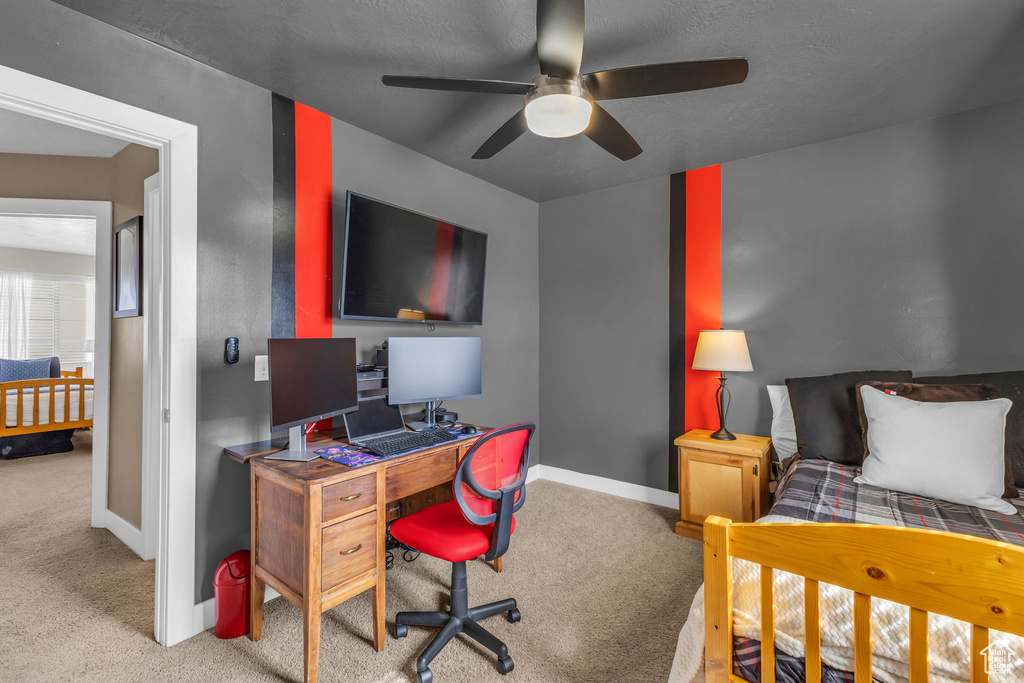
{"points": [[490, 485]]}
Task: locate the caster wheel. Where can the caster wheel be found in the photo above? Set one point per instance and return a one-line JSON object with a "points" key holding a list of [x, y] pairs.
{"points": [[401, 630], [424, 676], [505, 665], [514, 616]]}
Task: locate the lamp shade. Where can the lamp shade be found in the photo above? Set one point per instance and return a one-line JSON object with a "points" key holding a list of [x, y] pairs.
{"points": [[722, 351], [90, 346]]}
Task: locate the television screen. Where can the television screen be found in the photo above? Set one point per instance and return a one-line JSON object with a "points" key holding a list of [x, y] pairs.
{"points": [[401, 265]]}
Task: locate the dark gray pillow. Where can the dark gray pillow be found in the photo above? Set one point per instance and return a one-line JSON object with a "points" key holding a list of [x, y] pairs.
{"points": [[1010, 385], [826, 416]]}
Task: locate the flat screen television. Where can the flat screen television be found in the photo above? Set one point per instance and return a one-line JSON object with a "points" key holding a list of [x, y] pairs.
{"points": [[395, 264]]}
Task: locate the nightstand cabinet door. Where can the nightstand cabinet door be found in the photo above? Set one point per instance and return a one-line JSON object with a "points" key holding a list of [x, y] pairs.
{"points": [[716, 484]]}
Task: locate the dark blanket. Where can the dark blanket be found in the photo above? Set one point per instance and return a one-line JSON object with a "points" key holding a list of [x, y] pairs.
{"points": [[43, 443]]}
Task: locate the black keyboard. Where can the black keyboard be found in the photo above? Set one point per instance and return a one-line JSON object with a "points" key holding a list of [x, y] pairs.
{"points": [[406, 441]]}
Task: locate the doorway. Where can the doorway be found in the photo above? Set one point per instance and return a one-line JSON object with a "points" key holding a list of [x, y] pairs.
{"points": [[169, 417]]}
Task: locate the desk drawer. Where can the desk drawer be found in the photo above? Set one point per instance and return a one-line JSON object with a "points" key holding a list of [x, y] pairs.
{"points": [[422, 473], [349, 549], [349, 496]]}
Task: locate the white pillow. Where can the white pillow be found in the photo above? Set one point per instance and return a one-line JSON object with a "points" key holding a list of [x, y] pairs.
{"points": [[951, 451], [783, 424]]}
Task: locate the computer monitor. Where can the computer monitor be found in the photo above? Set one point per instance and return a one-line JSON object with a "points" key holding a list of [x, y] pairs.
{"points": [[432, 369], [310, 380]]}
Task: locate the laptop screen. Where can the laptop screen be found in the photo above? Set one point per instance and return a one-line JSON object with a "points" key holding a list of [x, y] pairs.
{"points": [[373, 417]]}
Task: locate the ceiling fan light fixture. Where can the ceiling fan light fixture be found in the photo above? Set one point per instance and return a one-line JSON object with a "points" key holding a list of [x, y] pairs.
{"points": [[558, 115]]}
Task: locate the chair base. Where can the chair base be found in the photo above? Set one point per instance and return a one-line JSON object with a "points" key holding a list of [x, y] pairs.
{"points": [[459, 619]]}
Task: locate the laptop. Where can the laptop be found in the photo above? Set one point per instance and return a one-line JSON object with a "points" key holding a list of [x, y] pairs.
{"points": [[380, 427], [373, 419]]}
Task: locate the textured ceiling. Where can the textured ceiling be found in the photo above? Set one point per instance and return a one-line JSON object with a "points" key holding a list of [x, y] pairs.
{"points": [[65, 234], [818, 70], [24, 134]]}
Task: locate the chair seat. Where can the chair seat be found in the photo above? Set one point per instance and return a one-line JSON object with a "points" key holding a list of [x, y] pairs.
{"points": [[442, 531]]}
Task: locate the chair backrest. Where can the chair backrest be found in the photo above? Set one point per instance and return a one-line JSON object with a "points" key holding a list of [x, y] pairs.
{"points": [[490, 483]]}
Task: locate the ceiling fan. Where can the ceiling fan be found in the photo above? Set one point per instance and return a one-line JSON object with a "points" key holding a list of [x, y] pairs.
{"points": [[560, 101]]}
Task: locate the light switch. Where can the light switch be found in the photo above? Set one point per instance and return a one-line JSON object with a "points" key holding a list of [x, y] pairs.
{"points": [[262, 368]]}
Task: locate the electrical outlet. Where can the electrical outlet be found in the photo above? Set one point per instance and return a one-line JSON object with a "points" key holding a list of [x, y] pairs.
{"points": [[262, 368]]}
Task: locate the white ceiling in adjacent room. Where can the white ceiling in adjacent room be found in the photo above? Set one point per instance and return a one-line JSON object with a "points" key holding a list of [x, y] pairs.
{"points": [[65, 234], [24, 134]]}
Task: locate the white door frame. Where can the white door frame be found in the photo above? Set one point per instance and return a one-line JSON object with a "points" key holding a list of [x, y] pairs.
{"points": [[151, 387], [172, 361], [101, 213]]}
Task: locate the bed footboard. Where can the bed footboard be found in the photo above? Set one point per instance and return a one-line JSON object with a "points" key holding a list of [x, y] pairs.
{"points": [[974, 580], [56, 394]]}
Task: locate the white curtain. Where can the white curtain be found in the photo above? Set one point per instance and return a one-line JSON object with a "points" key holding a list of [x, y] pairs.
{"points": [[14, 289]]}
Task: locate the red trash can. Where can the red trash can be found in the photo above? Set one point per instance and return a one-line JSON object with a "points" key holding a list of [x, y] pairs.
{"points": [[231, 595]]}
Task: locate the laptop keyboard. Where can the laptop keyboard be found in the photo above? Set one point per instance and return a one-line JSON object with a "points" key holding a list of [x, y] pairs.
{"points": [[407, 441]]}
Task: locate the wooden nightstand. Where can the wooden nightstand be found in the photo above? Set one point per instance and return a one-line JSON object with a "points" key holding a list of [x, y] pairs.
{"points": [[724, 478]]}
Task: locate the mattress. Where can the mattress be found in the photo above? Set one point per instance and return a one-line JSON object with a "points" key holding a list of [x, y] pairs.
{"points": [[58, 417], [819, 491]]}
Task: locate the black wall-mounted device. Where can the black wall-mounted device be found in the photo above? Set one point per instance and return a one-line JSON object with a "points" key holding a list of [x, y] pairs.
{"points": [[231, 350]]}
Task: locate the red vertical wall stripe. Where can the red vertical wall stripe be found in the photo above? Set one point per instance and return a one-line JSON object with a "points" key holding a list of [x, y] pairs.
{"points": [[703, 286], [313, 196], [312, 222], [442, 271]]}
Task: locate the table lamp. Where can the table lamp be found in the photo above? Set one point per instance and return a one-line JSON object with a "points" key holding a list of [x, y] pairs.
{"points": [[722, 351]]}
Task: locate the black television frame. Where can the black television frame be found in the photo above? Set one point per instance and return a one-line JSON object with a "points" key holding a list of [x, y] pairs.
{"points": [[339, 287]]}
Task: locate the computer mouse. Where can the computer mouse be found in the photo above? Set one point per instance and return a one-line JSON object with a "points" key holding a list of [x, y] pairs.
{"points": [[469, 429]]}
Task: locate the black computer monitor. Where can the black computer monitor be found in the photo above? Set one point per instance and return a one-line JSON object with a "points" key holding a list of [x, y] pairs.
{"points": [[431, 369], [310, 380]]}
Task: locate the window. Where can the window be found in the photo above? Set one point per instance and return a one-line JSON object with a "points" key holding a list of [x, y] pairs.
{"points": [[59, 312]]}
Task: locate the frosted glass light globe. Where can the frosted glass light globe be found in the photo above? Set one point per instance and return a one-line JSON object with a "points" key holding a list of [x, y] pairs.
{"points": [[558, 115]]}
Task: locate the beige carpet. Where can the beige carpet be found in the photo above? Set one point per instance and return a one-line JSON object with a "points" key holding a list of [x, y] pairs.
{"points": [[602, 582]]}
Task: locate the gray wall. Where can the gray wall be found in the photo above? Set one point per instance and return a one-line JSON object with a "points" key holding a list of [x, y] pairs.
{"points": [[371, 165], [604, 332], [235, 137], [897, 248]]}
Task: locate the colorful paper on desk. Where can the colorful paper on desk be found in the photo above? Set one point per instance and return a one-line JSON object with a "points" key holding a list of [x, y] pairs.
{"points": [[350, 456]]}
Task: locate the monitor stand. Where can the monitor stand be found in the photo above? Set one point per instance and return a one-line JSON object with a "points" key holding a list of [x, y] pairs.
{"points": [[296, 451], [430, 422]]}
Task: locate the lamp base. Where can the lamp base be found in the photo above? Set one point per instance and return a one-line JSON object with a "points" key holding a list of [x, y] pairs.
{"points": [[723, 434], [722, 400]]}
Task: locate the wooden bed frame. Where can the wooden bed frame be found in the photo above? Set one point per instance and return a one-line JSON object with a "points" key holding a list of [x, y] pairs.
{"points": [[974, 580], [33, 387]]}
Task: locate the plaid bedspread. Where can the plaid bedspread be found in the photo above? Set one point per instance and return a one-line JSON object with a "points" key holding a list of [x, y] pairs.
{"points": [[746, 663], [821, 491]]}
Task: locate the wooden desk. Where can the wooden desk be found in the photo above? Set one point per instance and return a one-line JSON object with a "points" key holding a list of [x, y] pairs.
{"points": [[319, 529]]}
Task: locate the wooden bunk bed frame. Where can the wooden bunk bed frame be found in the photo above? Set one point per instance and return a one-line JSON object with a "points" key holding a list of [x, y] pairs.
{"points": [[33, 388], [971, 579]]}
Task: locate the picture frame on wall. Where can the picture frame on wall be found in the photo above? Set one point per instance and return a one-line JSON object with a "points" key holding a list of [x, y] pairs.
{"points": [[127, 261]]}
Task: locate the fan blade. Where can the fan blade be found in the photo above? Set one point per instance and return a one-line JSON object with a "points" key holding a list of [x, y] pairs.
{"points": [[503, 137], [663, 79], [609, 133], [457, 84], [560, 25]]}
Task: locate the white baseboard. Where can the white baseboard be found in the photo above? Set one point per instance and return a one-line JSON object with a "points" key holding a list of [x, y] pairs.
{"points": [[206, 617], [614, 487], [125, 533]]}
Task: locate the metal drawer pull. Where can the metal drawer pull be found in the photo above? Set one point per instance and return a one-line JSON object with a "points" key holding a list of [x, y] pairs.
{"points": [[352, 497], [351, 550]]}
